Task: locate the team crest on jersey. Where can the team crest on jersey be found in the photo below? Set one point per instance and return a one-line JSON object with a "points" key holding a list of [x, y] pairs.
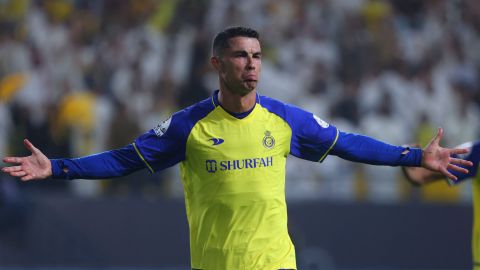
{"points": [[268, 140], [322, 123], [162, 127]]}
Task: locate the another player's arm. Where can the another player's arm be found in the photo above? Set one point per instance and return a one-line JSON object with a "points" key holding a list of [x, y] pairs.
{"points": [[419, 176]]}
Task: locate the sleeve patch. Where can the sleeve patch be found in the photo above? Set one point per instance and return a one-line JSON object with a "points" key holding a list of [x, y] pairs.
{"points": [[161, 128], [320, 122]]}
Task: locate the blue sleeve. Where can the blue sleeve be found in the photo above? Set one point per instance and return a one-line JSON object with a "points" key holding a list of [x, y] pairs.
{"points": [[474, 156], [312, 138], [364, 149], [160, 152], [108, 164]]}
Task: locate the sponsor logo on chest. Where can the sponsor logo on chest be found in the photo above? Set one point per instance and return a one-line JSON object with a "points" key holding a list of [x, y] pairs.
{"points": [[215, 165], [212, 165]]}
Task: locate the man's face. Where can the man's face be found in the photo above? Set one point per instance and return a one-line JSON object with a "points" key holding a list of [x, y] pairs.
{"points": [[239, 65]]}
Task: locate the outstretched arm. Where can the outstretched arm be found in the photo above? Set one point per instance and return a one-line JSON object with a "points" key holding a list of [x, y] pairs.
{"points": [[104, 165], [434, 157]]}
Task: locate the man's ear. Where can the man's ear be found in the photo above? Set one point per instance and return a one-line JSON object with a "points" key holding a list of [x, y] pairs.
{"points": [[215, 61]]}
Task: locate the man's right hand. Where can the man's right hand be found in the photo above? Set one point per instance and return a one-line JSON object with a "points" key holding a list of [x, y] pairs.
{"points": [[34, 167]]}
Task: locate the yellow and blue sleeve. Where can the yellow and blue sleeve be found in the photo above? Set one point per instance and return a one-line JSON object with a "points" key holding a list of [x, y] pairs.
{"points": [[312, 138]]}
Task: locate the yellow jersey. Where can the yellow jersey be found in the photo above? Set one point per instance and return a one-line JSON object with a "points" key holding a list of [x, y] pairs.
{"points": [[233, 174]]}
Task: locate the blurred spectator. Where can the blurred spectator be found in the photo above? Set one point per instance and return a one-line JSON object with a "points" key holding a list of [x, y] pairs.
{"points": [[383, 184], [84, 76]]}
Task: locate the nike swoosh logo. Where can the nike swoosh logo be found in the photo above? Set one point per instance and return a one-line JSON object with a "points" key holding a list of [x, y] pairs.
{"points": [[216, 141]]}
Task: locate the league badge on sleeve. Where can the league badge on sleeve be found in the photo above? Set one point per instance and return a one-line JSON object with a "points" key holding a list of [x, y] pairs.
{"points": [[322, 123], [161, 128]]}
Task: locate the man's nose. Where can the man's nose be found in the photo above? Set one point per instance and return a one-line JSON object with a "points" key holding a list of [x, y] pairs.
{"points": [[250, 63]]}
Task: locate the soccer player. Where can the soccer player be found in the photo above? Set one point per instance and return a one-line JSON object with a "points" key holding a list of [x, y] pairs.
{"points": [[421, 176], [232, 148]]}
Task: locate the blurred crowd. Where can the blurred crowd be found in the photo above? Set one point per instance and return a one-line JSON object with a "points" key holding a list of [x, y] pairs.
{"points": [[84, 76]]}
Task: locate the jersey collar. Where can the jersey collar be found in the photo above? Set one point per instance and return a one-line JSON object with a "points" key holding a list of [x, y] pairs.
{"points": [[236, 115]]}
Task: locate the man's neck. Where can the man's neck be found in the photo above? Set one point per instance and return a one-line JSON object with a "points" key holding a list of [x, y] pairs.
{"points": [[235, 103]]}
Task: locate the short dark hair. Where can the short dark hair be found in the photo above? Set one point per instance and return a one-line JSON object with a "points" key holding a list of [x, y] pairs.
{"points": [[221, 39]]}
